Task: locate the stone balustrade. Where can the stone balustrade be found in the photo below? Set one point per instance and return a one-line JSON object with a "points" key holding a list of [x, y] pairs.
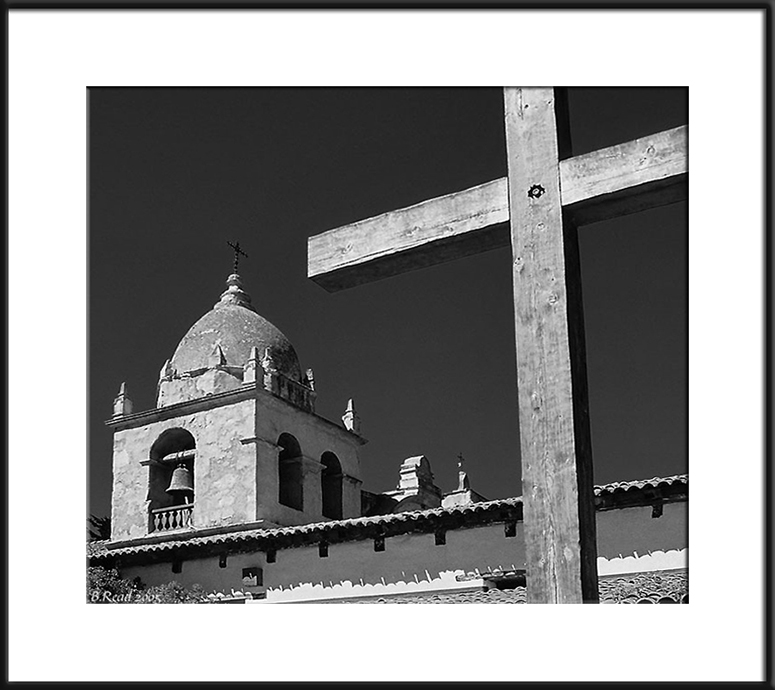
{"points": [[168, 519]]}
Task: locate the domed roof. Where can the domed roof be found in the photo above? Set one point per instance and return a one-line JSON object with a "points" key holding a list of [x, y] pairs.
{"points": [[234, 325]]}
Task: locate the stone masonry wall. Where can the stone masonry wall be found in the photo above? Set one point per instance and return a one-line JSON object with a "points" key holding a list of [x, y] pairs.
{"points": [[224, 469], [236, 471], [315, 436]]}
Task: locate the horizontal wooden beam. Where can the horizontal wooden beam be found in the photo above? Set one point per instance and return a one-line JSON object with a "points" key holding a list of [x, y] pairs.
{"points": [[431, 232], [640, 174]]}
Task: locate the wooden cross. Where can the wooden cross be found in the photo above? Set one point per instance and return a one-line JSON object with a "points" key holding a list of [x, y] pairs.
{"points": [[237, 252], [545, 196]]}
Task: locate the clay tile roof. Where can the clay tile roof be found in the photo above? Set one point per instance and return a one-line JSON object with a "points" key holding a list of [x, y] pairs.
{"points": [[360, 527], [653, 483], [316, 530], [95, 548]]}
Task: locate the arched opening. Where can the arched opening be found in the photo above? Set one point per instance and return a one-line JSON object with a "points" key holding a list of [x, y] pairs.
{"points": [[171, 481], [172, 441], [331, 480], [290, 475]]}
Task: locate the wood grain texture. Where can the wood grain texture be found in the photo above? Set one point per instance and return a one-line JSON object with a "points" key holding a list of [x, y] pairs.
{"points": [[641, 174], [450, 226], [617, 180], [559, 534]]}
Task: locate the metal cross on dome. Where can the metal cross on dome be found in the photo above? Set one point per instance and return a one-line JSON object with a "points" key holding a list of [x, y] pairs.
{"points": [[237, 251]]}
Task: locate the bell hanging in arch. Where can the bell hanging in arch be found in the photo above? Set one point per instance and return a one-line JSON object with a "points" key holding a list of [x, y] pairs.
{"points": [[182, 482]]}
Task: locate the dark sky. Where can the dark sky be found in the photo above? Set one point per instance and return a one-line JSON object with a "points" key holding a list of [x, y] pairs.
{"points": [[428, 356]]}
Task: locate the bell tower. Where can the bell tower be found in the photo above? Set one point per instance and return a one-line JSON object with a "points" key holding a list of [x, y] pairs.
{"points": [[234, 440]]}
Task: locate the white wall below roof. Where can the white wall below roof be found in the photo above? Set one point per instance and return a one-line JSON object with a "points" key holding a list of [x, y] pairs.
{"points": [[444, 581], [630, 540], [205, 572], [670, 559], [408, 560], [634, 532]]}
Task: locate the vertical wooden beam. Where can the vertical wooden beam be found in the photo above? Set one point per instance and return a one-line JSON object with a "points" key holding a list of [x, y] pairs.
{"points": [[557, 486]]}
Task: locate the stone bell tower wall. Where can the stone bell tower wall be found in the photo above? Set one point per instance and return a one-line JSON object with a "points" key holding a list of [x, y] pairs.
{"points": [[224, 467], [234, 446], [315, 436]]}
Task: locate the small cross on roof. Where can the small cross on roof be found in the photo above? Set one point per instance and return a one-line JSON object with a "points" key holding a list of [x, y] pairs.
{"points": [[237, 252]]}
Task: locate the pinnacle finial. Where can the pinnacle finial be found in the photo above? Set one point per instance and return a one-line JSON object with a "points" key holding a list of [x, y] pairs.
{"points": [[463, 483], [350, 418], [267, 361], [166, 371], [217, 356], [122, 405], [249, 371]]}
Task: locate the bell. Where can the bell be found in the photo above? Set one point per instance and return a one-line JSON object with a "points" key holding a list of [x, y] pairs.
{"points": [[181, 481]]}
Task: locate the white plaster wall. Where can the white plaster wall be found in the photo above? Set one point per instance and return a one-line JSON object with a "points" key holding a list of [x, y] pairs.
{"points": [[204, 571], [407, 558], [630, 540], [632, 531], [446, 580], [411, 560]]}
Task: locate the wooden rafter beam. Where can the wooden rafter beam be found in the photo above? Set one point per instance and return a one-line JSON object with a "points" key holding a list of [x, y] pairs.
{"points": [[614, 181]]}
